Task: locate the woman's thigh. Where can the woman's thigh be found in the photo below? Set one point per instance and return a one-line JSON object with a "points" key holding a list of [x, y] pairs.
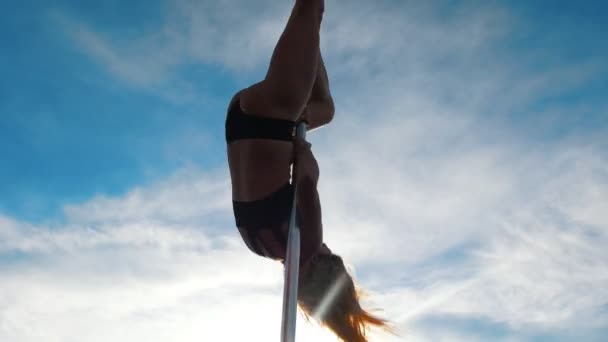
{"points": [[263, 100]]}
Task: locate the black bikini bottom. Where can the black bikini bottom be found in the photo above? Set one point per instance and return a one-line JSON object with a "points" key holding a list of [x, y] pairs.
{"points": [[269, 213]]}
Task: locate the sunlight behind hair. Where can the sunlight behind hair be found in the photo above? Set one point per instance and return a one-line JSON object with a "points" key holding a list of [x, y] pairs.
{"points": [[329, 297]]}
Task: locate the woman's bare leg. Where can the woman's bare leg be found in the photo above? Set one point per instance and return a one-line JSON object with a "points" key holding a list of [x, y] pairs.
{"points": [[319, 110], [293, 67]]}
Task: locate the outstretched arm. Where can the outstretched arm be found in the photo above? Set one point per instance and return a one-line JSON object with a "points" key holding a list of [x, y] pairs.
{"points": [[320, 109]]}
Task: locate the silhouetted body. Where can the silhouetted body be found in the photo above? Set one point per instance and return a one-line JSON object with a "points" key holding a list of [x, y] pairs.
{"points": [[260, 127], [260, 130]]}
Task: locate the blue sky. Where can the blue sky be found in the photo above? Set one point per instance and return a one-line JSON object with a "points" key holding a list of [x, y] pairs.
{"points": [[71, 130], [479, 126]]}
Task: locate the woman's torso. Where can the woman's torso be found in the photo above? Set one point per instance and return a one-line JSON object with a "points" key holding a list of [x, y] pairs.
{"points": [[258, 168]]}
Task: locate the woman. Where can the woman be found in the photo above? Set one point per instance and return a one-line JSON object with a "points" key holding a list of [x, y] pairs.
{"points": [[260, 129]]}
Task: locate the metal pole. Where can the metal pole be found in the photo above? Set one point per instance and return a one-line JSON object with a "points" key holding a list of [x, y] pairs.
{"points": [[292, 267]]}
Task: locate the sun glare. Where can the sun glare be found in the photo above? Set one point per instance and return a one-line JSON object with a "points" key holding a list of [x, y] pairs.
{"points": [[329, 298]]}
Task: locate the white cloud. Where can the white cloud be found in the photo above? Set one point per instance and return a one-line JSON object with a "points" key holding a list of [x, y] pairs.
{"points": [[185, 197]]}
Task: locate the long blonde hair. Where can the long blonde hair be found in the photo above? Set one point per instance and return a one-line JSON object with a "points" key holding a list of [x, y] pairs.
{"points": [[327, 293]]}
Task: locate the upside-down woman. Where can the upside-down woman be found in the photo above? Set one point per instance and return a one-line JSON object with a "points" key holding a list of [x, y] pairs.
{"points": [[260, 128]]}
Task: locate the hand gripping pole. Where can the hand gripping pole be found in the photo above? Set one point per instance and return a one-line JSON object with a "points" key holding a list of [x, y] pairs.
{"points": [[292, 266]]}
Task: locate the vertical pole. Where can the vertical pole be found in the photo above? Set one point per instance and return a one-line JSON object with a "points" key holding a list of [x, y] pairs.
{"points": [[292, 267]]}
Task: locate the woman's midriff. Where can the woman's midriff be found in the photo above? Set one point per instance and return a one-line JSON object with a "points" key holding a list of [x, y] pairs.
{"points": [[258, 167]]}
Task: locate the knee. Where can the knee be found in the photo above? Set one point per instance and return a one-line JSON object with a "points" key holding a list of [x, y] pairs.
{"points": [[323, 110], [330, 115]]}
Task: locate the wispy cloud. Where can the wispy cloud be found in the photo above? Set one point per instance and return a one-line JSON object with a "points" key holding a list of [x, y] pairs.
{"points": [[145, 61], [219, 33]]}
